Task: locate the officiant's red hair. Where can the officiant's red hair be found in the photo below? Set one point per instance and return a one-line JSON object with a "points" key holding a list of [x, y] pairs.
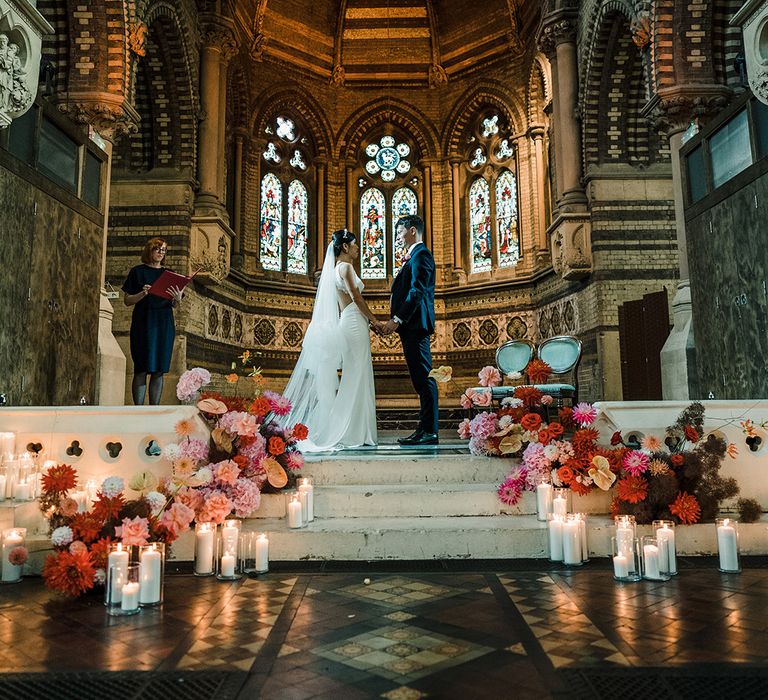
{"points": [[149, 246]]}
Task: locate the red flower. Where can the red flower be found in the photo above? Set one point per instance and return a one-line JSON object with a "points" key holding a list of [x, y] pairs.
{"points": [[686, 508], [68, 573], [584, 440], [579, 488], [538, 371], [529, 395], [276, 445], [86, 527], [300, 431], [531, 421], [614, 457], [565, 474], [555, 429], [241, 461], [565, 415], [107, 509], [632, 489], [614, 507], [260, 406], [544, 436], [691, 433], [100, 552], [60, 478], [616, 438], [677, 460]]}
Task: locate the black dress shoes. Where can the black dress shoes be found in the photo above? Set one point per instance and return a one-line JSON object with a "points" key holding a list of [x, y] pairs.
{"points": [[420, 438], [413, 436]]}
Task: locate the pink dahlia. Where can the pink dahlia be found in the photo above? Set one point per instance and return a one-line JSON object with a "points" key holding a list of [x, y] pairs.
{"points": [[464, 430], [489, 376], [584, 414], [510, 491], [280, 405], [294, 460], [636, 462]]}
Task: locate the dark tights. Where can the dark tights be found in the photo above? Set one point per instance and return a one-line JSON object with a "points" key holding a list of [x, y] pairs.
{"points": [[139, 388]]}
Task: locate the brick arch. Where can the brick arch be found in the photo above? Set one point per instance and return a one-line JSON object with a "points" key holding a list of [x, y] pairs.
{"points": [[387, 111], [488, 94], [591, 13], [727, 42], [167, 136], [276, 99], [539, 90], [614, 93]]}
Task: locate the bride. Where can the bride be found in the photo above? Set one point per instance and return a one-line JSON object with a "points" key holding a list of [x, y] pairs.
{"points": [[338, 414]]}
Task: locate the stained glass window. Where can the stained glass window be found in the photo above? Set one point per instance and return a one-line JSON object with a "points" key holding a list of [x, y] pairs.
{"points": [[506, 219], [403, 202], [297, 228], [480, 225], [373, 261], [270, 235]]}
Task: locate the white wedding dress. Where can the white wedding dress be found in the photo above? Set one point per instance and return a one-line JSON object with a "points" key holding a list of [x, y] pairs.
{"points": [[338, 414]]}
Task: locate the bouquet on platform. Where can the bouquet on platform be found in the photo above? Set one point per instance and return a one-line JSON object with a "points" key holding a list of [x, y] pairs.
{"points": [[83, 531], [247, 453], [677, 478]]}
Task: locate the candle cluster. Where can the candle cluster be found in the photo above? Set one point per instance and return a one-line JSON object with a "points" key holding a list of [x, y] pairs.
{"points": [[567, 531], [232, 553], [19, 473]]}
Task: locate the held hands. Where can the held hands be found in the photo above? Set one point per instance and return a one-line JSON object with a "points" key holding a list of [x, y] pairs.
{"points": [[384, 327], [176, 293]]}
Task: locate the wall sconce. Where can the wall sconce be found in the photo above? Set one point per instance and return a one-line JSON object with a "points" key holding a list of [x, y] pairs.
{"points": [[113, 448], [74, 450]]}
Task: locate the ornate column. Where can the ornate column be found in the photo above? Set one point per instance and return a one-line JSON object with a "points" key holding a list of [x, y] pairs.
{"points": [[455, 184], [228, 52], [426, 173], [536, 134], [237, 195], [351, 190], [570, 231], [217, 43], [320, 166]]}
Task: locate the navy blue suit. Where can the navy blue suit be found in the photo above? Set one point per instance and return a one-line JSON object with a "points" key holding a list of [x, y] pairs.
{"points": [[413, 302]]}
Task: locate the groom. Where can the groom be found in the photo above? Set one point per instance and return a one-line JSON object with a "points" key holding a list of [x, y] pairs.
{"points": [[413, 317]]}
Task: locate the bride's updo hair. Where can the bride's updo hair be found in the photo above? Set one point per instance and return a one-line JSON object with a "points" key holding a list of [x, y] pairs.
{"points": [[339, 238]]}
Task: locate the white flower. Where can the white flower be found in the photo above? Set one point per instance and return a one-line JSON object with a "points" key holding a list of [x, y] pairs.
{"points": [[171, 452], [99, 577], [62, 536], [156, 501], [504, 421], [511, 401], [550, 451], [556, 479], [514, 375], [204, 474], [113, 486]]}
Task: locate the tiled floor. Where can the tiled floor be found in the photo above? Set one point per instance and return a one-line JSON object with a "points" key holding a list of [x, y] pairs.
{"points": [[405, 635]]}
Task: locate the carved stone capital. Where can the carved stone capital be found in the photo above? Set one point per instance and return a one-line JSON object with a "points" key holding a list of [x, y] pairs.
{"points": [[560, 28], [111, 115], [570, 235], [218, 35], [257, 46], [672, 109], [437, 75], [339, 75]]}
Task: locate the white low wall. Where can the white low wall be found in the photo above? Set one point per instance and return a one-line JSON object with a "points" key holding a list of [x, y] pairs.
{"points": [[750, 469]]}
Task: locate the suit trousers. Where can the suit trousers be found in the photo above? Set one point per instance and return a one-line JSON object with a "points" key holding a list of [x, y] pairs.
{"points": [[418, 357]]}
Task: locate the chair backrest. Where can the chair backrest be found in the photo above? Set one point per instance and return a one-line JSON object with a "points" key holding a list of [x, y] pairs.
{"points": [[562, 353], [514, 356]]}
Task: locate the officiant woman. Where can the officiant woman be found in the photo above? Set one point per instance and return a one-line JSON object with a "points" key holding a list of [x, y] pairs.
{"points": [[152, 327]]}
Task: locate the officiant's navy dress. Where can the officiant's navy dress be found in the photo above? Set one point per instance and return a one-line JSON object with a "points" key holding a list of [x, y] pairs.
{"points": [[152, 327]]}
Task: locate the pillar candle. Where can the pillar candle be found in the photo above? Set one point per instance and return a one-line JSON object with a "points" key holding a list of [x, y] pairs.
{"points": [[150, 576], [11, 572], [3, 483], [727, 548], [262, 553], [625, 537], [129, 596], [228, 565], [294, 513], [583, 535], [620, 566], [118, 559], [665, 536], [204, 550], [229, 535], [543, 500], [306, 487], [22, 491], [7, 445], [651, 559], [12, 473], [560, 506], [571, 542], [556, 539]]}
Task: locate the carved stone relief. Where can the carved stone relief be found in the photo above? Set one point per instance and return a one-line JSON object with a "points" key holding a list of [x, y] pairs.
{"points": [[753, 20], [571, 250]]}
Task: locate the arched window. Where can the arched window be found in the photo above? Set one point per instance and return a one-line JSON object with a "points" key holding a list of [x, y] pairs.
{"points": [[388, 190], [494, 222], [286, 185]]}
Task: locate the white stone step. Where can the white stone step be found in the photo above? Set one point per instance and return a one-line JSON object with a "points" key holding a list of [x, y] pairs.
{"points": [[405, 468]]}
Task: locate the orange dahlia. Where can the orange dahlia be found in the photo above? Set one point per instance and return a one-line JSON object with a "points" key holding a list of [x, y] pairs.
{"points": [[565, 415], [100, 552], [529, 395], [580, 489], [86, 527], [69, 573], [686, 508], [584, 440], [60, 478], [260, 406], [538, 371], [106, 509], [632, 489]]}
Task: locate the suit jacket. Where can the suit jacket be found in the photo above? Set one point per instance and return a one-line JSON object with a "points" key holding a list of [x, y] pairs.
{"points": [[413, 293]]}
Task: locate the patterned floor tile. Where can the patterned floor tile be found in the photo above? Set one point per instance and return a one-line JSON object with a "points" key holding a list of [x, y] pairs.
{"points": [[398, 592]]}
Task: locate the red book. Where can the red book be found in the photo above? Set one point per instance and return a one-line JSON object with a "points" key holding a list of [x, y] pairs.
{"points": [[169, 279]]}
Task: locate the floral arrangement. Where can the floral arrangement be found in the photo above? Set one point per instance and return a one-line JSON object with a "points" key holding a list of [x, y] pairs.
{"points": [[81, 539], [677, 478]]}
